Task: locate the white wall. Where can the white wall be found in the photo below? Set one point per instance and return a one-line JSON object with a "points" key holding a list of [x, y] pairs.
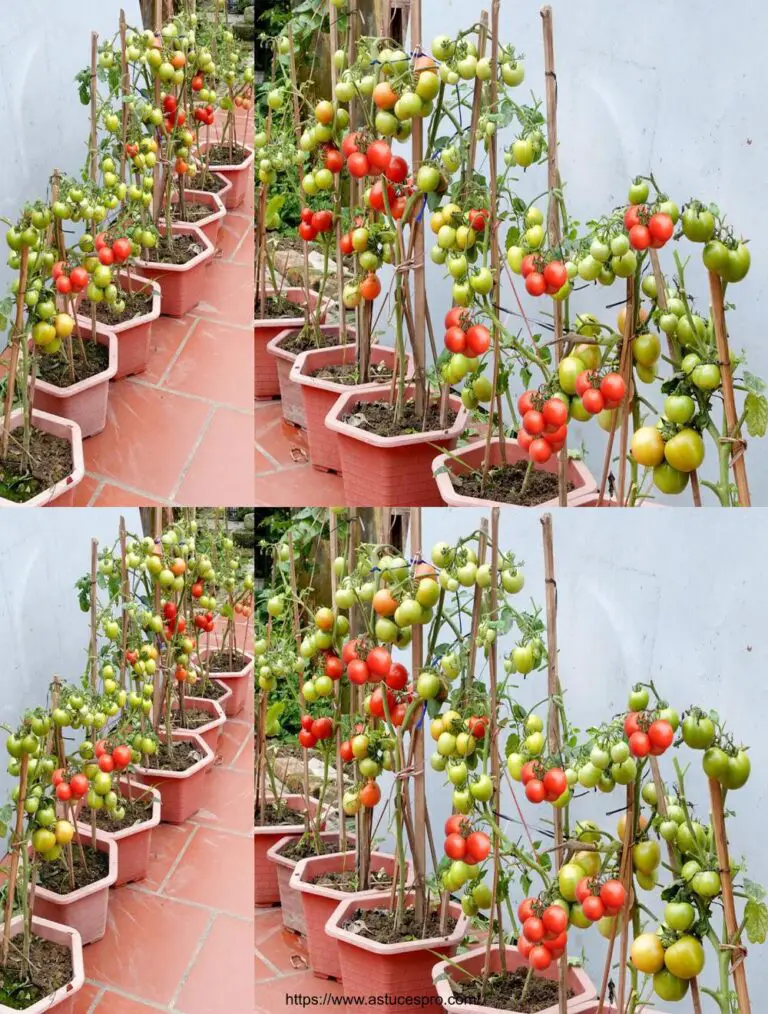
{"points": [[44, 125], [42, 555], [631, 101], [683, 606]]}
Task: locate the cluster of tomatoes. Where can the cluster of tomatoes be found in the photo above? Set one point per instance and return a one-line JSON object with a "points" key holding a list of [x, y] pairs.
{"points": [[73, 281], [375, 159], [116, 760], [205, 622], [204, 115], [462, 336], [462, 843], [74, 788], [544, 425], [116, 253], [543, 278], [174, 117], [314, 222], [599, 393], [598, 899], [543, 785], [647, 229], [647, 735], [544, 936], [314, 729], [174, 624]]}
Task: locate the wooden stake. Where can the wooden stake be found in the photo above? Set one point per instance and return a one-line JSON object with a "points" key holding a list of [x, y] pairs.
{"points": [[417, 752], [93, 151], [157, 698], [297, 634], [738, 445], [126, 85], [333, 22], [738, 968], [297, 128], [625, 876], [17, 338], [125, 593], [553, 218], [482, 38], [334, 549], [625, 368], [417, 245], [93, 657], [18, 844]]}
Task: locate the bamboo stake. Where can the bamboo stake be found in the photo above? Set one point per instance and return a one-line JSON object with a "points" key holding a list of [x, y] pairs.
{"points": [[125, 592], [729, 909], [157, 191], [297, 634], [18, 337], [482, 549], [93, 152], [126, 85], [334, 549], [93, 658], [297, 128], [417, 242], [482, 38], [625, 368], [333, 22], [17, 846], [625, 876], [157, 699], [738, 444], [553, 222], [417, 738]]}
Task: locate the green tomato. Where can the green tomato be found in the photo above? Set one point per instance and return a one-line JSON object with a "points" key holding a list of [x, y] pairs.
{"points": [[685, 958], [568, 371], [698, 731], [568, 878], [738, 264], [668, 987], [679, 408], [646, 856], [669, 480], [738, 771]]}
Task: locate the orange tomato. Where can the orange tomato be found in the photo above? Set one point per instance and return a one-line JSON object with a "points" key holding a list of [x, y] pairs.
{"points": [[384, 95], [384, 602], [178, 567], [178, 60]]}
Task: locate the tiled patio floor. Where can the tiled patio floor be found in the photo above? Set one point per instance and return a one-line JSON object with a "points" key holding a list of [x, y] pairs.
{"points": [[282, 967], [283, 473]]}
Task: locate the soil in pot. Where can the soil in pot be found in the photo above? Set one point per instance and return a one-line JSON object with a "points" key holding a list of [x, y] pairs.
{"points": [[184, 249], [378, 417], [50, 968], [504, 485], [223, 661], [504, 992], [379, 924], [347, 881], [275, 815], [55, 369], [184, 756], [306, 846], [55, 876], [137, 811], [194, 211], [194, 718], [308, 338], [136, 304], [211, 183], [349, 375], [50, 462], [222, 154], [211, 691]]}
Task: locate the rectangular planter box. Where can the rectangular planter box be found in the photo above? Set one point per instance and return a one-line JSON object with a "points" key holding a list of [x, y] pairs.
{"points": [[290, 392], [239, 175], [211, 224], [212, 731], [267, 382], [240, 683], [132, 335], [181, 791], [290, 900], [133, 843], [267, 891], [181, 284], [62, 494], [63, 1000]]}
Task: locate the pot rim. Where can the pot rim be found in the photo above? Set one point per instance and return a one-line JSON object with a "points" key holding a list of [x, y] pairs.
{"points": [[218, 212], [103, 883], [205, 761], [78, 461], [129, 832], [223, 676], [240, 167], [205, 254], [142, 318], [76, 983], [334, 422], [303, 363], [273, 852], [334, 929], [292, 800], [303, 868], [105, 336], [217, 719]]}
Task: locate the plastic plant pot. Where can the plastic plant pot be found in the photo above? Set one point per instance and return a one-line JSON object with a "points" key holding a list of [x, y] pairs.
{"points": [[211, 224], [212, 731], [591, 500], [84, 402], [389, 471], [264, 837], [133, 334], [180, 284], [444, 974], [85, 909], [239, 682], [320, 900], [181, 791], [290, 900], [267, 382], [63, 1000], [221, 194], [319, 394], [238, 174], [133, 843], [62, 493], [395, 971], [290, 393], [471, 457]]}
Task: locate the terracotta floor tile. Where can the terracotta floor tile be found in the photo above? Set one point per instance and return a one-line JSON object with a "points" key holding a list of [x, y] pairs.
{"points": [[266, 412], [227, 293], [261, 970], [149, 945], [85, 490], [113, 496], [148, 438], [244, 254], [284, 950], [286, 451], [265, 922], [232, 740], [113, 1003], [219, 469], [233, 229], [216, 363], [218, 871], [166, 336], [218, 980], [227, 804], [85, 998], [302, 487], [167, 842]]}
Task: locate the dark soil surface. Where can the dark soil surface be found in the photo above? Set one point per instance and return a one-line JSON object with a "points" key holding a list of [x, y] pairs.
{"points": [[378, 925], [194, 718], [50, 969], [50, 461], [276, 307], [222, 154], [275, 816], [378, 417], [211, 183], [193, 211], [346, 880], [503, 992], [55, 876], [505, 485], [55, 369], [136, 812], [222, 661], [309, 337], [348, 373], [184, 249], [136, 304], [184, 756], [211, 691], [306, 846]]}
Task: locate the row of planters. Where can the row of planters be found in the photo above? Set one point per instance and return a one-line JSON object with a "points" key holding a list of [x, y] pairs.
{"points": [[492, 419], [487, 914], [108, 756], [104, 254]]}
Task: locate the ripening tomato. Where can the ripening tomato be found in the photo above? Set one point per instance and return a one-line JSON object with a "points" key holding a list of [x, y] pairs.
{"points": [[397, 170], [593, 908], [370, 794], [306, 232], [612, 387], [613, 894], [555, 275], [306, 739], [534, 422], [397, 677], [357, 671], [357, 163], [555, 412], [478, 340], [540, 450], [455, 846], [455, 340], [535, 284], [639, 744], [660, 227], [647, 953], [379, 661], [346, 752], [478, 846], [640, 237], [533, 928], [661, 734], [593, 401], [349, 145], [334, 160], [370, 287], [540, 957], [346, 244], [535, 791], [334, 667]]}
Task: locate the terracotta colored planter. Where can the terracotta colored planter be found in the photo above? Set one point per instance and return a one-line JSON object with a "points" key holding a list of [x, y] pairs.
{"points": [[319, 394], [397, 971], [592, 1006], [86, 401], [320, 900], [290, 900], [267, 382], [133, 843], [590, 500], [267, 890], [473, 961], [212, 731], [290, 393], [132, 335], [389, 471], [238, 175], [62, 494], [240, 683], [181, 791], [211, 224], [63, 1000], [473, 454], [221, 194], [85, 909], [181, 284]]}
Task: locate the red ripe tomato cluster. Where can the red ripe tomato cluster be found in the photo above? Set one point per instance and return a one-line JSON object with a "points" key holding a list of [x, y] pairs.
{"points": [[204, 622], [542, 785], [376, 159], [461, 335], [461, 842], [174, 624], [117, 253], [543, 278], [544, 427], [314, 222], [646, 735], [204, 114], [371, 667], [646, 229], [334, 160], [365, 666], [597, 394], [544, 936], [75, 281], [75, 788], [117, 760], [314, 729], [174, 117], [478, 218], [599, 899]]}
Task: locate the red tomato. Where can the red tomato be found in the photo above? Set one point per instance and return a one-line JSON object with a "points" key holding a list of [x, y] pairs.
{"points": [[106, 763], [106, 256], [306, 215], [379, 661], [456, 316], [379, 155], [524, 439], [397, 677], [593, 908], [478, 219], [322, 221], [334, 160], [640, 237], [79, 785], [477, 725], [540, 450], [557, 436], [322, 728], [397, 169], [455, 339], [63, 284], [632, 722], [583, 889], [613, 895], [661, 734], [528, 772], [555, 275], [478, 340], [593, 401], [306, 722], [101, 745], [349, 145], [121, 755], [555, 919], [121, 248], [397, 207], [612, 387], [357, 671], [456, 823], [346, 752], [661, 227], [540, 958], [376, 196], [349, 651], [306, 232], [525, 909], [632, 215], [529, 265], [535, 791], [63, 792], [533, 422], [525, 402], [524, 946], [357, 163], [397, 714], [376, 703], [455, 846], [639, 744], [478, 846], [535, 284], [79, 279], [370, 287], [346, 244], [306, 739], [555, 412], [334, 667], [533, 928], [555, 783]]}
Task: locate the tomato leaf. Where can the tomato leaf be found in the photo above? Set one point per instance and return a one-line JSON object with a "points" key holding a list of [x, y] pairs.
{"points": [[756, 921], [512, 744], [756, 414], [513, 235]]}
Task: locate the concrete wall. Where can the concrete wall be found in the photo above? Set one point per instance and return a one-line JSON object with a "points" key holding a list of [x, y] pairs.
{"points": [[682, 607], [43, 47], [628, 106], [42, 555]]}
